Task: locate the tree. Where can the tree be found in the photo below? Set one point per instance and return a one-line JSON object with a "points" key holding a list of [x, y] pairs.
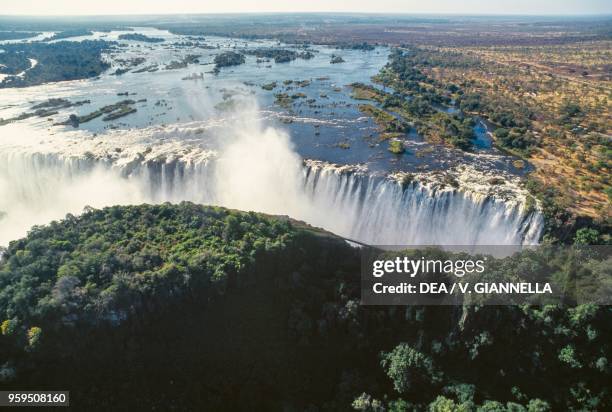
{"points": [[538, 405], [409, 368], [365, 403], [586, 236], [34, 334]]}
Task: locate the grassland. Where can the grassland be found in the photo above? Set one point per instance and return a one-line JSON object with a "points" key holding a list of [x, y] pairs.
{"points": [[559, 98], [548, 105]]}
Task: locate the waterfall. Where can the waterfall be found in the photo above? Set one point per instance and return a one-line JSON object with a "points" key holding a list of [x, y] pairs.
{"points": [[36, 188], [384, 211]]}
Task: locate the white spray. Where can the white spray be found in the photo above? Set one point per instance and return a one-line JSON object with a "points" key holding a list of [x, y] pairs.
{"points": [[249, 167]]}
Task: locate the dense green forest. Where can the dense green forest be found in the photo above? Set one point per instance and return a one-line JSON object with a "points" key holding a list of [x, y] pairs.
{"points": [[227, 59], [184, 307], [280, 55], [64, 60], [66, 34], [140, 37], [417, 99], [15, 35]]}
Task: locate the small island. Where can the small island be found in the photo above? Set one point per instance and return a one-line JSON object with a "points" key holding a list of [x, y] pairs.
{"points": [[187, 60], [66, 34], [140, 37], [112, 112], [228, 59], [364, 46], [335, 59], [280, 55]]}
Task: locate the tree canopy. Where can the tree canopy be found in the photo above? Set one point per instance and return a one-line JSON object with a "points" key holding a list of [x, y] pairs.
{"points": [[182, 307]]}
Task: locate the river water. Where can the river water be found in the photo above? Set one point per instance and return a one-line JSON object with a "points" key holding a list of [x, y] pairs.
{"points": [[182, 116]]}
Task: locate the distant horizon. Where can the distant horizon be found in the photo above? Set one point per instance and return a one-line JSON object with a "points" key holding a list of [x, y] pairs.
{"points": [[361, 13], [67, 8]]}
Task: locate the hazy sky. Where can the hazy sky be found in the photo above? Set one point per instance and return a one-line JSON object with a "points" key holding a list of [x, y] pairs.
{"points": [[97, 7]]}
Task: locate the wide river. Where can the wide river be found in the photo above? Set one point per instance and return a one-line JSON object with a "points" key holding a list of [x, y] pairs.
{"points": [[187, 115]]}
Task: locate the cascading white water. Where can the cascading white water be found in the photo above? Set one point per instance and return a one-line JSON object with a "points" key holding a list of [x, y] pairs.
{"points": [[240, 163], [36, 188], [384, 212]]}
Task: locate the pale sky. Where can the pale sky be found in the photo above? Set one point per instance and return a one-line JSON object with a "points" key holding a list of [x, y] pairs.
{"points": [[107, 7]]}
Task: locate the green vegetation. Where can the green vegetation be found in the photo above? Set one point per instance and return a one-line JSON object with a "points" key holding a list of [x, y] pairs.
{"points": [[335, 59], [117, 302], [58, 103], [227, 59], [366, 92], [181, 64], [13, 63], [47, 108], [396, 146], [130, 62], [386, 122], [269, 86], [17, 35], [356, 46], [417, 100], [541, 107], [187, 307], [66, 34], [551, 121], [122, 111], [140, 37], [55, 62], [151, 69], [396, 29], [283, 100], [280, 55], [112, 111]]}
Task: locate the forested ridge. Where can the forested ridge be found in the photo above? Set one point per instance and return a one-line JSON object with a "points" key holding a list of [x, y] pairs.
{"points": [[187, 307]]}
